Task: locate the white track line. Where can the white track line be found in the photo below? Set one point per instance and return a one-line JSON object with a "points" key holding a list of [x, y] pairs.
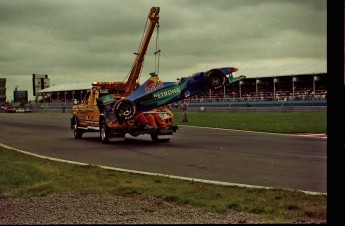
{"points": [[318, 135], [158, 174]]}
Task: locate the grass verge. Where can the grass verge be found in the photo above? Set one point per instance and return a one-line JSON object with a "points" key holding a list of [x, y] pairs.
{"points": [[275, 122], [26, 176]]}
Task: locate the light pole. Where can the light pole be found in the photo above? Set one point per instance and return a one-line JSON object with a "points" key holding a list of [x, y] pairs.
{"points": [[239, 88], [275, 80], [315, 78], [224, 92], [240, 84], [274, 89], [293, 88], [257, 81]]}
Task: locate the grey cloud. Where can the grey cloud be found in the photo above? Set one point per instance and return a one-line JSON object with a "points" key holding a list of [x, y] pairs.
{"points": [[73, 40]]}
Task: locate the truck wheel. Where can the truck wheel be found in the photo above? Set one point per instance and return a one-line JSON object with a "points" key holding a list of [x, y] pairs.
{"points": [[215, 79], [125, 109], [155, 138], [104, 132], [76, 132]]}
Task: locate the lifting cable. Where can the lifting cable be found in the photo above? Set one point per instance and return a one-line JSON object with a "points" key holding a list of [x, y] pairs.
{"points": [[158, 51]]}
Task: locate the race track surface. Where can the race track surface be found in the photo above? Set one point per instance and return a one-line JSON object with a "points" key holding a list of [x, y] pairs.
{"points": [[261, 159]]}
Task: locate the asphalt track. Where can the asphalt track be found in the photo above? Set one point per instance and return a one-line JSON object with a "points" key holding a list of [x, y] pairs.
{"points": [[260, 159]]}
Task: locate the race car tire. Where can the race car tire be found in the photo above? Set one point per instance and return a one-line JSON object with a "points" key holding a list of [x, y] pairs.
{"points": [[125, 109], [215, 79], [103, 132], [76, 132]]}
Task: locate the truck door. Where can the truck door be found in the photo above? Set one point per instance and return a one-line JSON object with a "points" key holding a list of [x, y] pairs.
{"points": [[82, 108], [92, 112]]}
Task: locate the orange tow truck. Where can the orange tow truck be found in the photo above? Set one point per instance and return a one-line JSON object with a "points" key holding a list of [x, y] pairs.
{"points": [[87, 116], [115, 109]]}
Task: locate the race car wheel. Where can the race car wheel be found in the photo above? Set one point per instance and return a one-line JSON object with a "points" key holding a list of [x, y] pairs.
{"points": [[104, 132], [215, 79], [125, 109], [76, 132]]}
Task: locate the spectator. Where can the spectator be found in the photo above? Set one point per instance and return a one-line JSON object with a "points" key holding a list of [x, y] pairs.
{"points": [[184, 108]]}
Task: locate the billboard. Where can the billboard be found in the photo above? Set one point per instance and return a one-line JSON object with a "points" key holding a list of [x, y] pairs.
{"points": [[20, 96]]}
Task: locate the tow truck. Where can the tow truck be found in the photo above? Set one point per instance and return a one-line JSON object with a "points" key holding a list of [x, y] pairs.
{"points": [[110, 107]]}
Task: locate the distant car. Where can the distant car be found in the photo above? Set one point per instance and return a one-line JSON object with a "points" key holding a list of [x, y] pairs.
{"points": [[20, 110], [8, 108], [23, 110], [27, 110]]}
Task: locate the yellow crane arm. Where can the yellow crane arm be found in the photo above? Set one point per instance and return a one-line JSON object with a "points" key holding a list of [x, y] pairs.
{"points": [[135, 72]]}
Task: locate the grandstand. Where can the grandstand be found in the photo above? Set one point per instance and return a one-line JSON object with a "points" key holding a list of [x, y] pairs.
{"points": [[302, 87], [274, 88], [64, 93]]}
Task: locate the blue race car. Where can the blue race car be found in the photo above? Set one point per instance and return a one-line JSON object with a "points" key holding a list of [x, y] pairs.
{"points": [[153, 93]]}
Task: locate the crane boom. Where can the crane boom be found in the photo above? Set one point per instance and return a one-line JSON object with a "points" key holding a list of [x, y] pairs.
{"points": [[153, 16]]}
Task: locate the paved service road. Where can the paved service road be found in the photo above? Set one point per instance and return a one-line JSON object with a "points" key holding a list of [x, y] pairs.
{"points": [[261, 159]]}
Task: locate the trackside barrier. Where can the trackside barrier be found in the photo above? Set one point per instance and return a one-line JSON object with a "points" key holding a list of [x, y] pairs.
{"points": [[52, 107], [262, 106], [257, 109]]}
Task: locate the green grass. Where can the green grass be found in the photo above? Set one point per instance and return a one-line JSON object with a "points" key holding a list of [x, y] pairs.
{"points": [[26, 176], [276, 122]]}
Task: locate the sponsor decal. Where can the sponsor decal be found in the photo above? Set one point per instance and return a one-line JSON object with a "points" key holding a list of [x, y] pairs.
{"points": [[153, 86], [108, 99], [167, 93]]}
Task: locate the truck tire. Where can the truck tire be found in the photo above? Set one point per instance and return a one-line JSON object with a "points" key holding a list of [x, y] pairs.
{"points": [[215, 79], [125, 109], [76, 132], [155, 138], [103, 132]]}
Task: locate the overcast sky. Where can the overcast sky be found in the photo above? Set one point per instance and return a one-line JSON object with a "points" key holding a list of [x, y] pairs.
{"points": [[90, 40]]}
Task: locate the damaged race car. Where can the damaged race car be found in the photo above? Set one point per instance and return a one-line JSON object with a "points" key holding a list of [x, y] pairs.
{"points": [[152, 95], [118, 116]]}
